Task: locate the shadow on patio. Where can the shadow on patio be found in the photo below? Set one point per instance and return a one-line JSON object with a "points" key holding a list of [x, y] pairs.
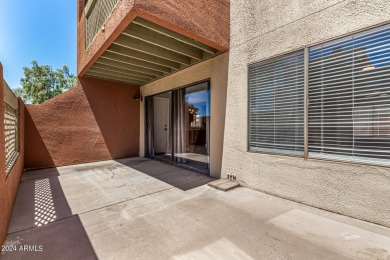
{"points": [[178, 177], [42, 223], [139, 208], [43, 217]]}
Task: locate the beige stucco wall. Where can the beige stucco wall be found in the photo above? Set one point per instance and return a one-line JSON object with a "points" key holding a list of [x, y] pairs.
{"points": [[214, 69], [264, 29]]}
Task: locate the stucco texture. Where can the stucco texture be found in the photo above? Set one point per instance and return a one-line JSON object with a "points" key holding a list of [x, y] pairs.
{"points": [[9, 184], [202, 20], [97, 120], [214, 69], [270, 28]]}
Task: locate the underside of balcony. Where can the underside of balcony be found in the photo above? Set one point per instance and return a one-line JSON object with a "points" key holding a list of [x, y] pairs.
{"points": [[145, 52]]}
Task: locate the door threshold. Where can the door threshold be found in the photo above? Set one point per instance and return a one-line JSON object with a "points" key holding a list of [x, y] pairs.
{"points": [[206, 172]]}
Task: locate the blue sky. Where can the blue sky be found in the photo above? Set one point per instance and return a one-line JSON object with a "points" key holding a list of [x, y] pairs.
{"points": [[199, 99], [43, 30]]}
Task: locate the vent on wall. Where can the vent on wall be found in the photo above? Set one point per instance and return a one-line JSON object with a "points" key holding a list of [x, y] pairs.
{"points": [[145, 52]]}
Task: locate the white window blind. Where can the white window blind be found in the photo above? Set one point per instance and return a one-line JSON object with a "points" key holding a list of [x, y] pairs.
{"points": [[276, 105], [349, 98]]}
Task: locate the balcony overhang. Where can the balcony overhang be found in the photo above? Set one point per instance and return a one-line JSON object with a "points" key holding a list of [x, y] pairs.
{"points": [[145, 52]]}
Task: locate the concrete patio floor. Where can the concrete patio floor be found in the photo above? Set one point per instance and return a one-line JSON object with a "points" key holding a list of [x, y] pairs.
{"points": [[142, 209]]}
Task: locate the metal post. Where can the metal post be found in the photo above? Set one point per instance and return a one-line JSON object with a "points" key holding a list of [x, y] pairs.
{"points": [[306, 104]]}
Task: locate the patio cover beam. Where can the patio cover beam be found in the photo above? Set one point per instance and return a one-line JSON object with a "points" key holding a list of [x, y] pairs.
{"points": [[136, 62], [118, 69], [118, 73], [143, 56], [135, 44], [122, 65], [92, 72], [175, 35], [152, 37]]}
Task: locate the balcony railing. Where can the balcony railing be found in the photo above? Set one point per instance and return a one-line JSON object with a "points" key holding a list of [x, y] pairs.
{"points": [[97, 12], [11, 127]]}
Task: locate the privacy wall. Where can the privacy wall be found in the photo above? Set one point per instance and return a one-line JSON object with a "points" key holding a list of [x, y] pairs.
{"points": [[260, 31], [9, 183], [97, 120]]}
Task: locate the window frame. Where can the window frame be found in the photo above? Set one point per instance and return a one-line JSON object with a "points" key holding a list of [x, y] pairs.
{"points": [[306, 48], [373, 160], [275, 152]]}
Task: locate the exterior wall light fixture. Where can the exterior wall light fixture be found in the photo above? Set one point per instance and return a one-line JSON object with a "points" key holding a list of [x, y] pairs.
{"points": [[138, 96]]}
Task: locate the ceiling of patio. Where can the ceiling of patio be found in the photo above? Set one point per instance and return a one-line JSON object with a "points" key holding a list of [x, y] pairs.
{"points": [[145, 52]]}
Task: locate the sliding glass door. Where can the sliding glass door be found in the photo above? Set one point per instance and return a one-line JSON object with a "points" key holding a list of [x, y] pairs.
{"points": [[178, 126], [158, 119]]}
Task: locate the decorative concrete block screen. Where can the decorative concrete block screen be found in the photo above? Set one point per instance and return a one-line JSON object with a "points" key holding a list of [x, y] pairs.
{"points": [[97, 12], [11, 127]]}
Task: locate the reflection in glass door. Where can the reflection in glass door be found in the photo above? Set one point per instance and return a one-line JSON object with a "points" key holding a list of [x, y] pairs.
{"points": [[178, 126], [191, 123]]}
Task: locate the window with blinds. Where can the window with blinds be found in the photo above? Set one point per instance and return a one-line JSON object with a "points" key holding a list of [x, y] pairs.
{"points": [[276, 105], [349, 98]]}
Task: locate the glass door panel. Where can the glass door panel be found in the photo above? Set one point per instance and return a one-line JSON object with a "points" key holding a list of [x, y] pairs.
{"points": [[159, 129], [191, 119], [178, 126]]}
